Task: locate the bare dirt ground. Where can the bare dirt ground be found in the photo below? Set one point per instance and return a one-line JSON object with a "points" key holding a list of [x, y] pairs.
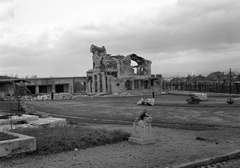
{"points": [[177, 125]]}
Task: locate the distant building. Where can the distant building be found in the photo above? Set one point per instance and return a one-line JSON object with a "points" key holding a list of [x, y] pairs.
{"points": [[116, 74], [57, 84], [8, 87]]}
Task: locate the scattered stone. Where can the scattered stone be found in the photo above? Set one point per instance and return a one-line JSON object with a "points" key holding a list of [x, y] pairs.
{"points": [[57, 96], [149, 102], [204, 139], [146, 101], [115, 94], [233, 100], [140, 102]]}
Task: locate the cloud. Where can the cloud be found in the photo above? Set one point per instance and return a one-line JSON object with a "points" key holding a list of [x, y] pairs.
{"points": [[7, 9], [176, 33]]}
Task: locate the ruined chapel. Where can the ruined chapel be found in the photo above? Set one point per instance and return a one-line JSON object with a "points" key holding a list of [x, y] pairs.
{"points": [[118, 74]]}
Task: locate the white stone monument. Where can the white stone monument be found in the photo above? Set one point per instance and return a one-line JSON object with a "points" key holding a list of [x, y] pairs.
{"points": [[142, 130]]}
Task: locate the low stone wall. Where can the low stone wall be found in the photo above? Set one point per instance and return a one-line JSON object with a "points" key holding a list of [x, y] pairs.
{"points": [[14, 119], [18, 145], [57, 96]]}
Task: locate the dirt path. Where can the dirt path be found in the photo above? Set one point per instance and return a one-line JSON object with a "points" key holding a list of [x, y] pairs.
{"points": [[173, 146]]}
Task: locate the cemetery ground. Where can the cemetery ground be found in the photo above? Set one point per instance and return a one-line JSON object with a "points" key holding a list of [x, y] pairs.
{"points": [[183, 132]]}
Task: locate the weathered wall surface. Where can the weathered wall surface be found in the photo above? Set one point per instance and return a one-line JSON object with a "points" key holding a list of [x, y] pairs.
{"points": [[142, 69], [125, 67], [19, 145], [57, 96], [70, 84], [6, 89], [117, 85], [79, 85]]}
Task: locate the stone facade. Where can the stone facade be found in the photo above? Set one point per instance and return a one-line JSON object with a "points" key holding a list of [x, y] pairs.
{"points": [[117, 74], [57, 85]]}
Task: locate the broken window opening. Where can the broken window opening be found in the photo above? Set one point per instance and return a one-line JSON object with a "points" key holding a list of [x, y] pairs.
{"points": [[79, 87], [142, 84], [45, 88], [128, 84], [106, 79], [91, 85], [146, 84], [100, 80], [31, 89], [134, 66], [62, 88], [136, 84], [89, 78], [95, 83]]}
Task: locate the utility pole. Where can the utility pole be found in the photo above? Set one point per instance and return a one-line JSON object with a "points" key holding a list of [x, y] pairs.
{"points": [[230, 76]]}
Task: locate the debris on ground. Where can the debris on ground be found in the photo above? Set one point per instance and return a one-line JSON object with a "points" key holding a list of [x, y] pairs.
{"points": [[205, 139], [146, 101], [193, 99]]}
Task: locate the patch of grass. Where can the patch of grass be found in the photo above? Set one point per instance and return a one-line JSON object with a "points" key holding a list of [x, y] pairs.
{"points": [[4, 136], [59, 139]]}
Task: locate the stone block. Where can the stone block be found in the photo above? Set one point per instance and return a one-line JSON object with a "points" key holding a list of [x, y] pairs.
{"points": [[18, 145], [15, 119], [150, 102], [146, 101], [140, 102], [142, 132]]}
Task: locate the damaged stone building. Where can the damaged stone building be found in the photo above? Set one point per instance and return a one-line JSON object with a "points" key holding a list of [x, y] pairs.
{"points": [[118, 74], [57, 85]]}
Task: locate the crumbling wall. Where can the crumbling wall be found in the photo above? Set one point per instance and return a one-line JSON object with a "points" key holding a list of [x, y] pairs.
{"points": [[117, 85], [143, 67], [102, 60], [125, 67], [6, 90]]}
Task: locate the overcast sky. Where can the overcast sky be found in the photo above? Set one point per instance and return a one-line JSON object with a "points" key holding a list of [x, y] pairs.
{"points": [[53, 37]]}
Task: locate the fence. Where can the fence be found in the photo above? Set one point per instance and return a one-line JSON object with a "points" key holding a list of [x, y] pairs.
{"points": [[215, 87]]}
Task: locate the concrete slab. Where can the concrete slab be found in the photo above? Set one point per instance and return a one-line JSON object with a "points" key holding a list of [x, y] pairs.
{"points": [[18, 145], [14, 119], [50, 121], [34, 122]]}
